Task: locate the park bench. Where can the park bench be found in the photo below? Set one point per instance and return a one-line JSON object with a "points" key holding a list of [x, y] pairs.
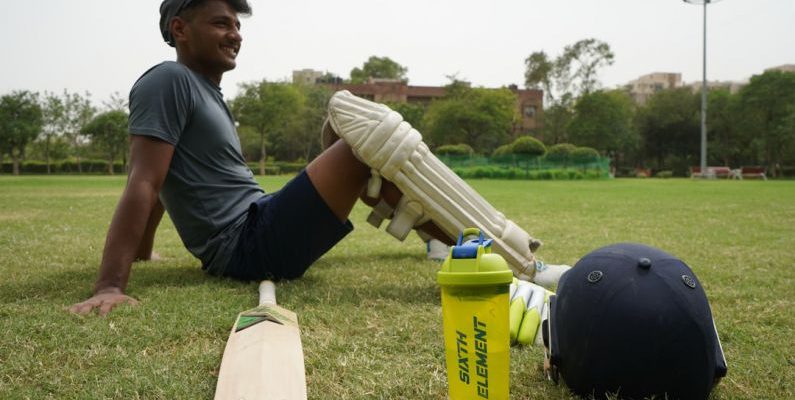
{"points": [[750, 172], [712, 172]]}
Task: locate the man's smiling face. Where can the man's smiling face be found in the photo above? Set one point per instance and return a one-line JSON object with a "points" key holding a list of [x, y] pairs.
{"points": [[210, 39]]}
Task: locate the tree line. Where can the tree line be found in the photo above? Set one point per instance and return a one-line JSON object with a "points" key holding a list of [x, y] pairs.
{"points": [[282, 120], [753, 127], [53, 127]]}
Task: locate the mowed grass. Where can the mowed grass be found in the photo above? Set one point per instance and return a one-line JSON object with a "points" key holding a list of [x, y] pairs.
{"points": [[370, 309]]}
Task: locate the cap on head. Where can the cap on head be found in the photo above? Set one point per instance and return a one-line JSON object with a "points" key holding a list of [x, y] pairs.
{"points": [[168, 10], [634, 320]]}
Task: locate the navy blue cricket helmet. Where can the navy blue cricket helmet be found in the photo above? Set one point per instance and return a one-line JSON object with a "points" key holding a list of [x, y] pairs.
{"points": [[633, 320]]}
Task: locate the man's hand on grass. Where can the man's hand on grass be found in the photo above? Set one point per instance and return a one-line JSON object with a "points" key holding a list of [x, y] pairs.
{"points": [[103, 301]]}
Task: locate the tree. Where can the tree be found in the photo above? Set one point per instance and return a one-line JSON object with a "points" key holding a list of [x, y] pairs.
{"points": [[480, 117], [269, 108], [54, 117], [63, 117], [669, 126], [116, 102], [379, 68], [411, 112], [78, 111], [5, 143], [563, 80], [786, 129], [571, 74], [57, 149], [556, 122], [329, 78], [301, 140], [20, 123], [727, 144], [766, 102], [108, 130], [603, 120]]}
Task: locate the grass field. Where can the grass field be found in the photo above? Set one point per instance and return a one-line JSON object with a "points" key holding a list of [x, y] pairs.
{"points": [[370, 309]]}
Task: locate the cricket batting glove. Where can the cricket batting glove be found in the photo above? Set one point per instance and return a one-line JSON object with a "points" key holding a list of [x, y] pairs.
{"points": [[527, 310]]}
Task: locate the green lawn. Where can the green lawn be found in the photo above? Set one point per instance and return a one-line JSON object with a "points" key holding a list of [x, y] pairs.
{"points": [[370, 309]]}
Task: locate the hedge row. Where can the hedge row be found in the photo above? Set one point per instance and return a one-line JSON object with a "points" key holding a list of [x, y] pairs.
{"points": [[63, 167], [101, 167], [278, 167], [492, 172]]}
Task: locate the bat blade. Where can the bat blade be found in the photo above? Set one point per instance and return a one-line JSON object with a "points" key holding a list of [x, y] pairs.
{"points": [[263, 358]]}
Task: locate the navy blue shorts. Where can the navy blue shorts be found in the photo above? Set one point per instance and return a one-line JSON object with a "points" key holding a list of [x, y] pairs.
{"points": [[285, 232]]}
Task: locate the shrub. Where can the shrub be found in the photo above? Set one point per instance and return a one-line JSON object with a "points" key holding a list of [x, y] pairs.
{"points": [[545, 174], [584, 155], [497, 172], [289, 167], [528, 145], [94, 166], [664, 174], [277, 167], [33, 167], [503, 151], [560, 174], [560, 153], [461, 149]]}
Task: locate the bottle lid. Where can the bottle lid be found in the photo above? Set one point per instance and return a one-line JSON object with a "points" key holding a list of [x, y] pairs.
{"points": [[471, 263]]}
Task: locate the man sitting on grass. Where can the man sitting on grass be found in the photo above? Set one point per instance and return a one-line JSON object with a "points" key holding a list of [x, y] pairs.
{"points": [[185, 158]]}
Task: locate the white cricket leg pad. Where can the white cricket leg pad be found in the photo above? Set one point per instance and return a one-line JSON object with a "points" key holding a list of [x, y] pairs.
{"points": [[381, 139]]}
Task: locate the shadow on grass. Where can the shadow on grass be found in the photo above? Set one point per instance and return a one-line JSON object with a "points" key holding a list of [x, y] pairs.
{"points": [[351, 281], [336, 279], [70, 285], [369, 256]]}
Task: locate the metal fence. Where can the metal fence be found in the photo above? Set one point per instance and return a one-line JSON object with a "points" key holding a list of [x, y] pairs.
{"points": [[526, 167]]}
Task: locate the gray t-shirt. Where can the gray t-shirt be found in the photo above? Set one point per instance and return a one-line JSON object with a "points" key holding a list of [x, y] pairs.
{"points": [[209, 187]]}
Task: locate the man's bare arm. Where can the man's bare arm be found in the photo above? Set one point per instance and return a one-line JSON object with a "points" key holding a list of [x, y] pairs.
{"points": [[147, 242], [137, 208]]}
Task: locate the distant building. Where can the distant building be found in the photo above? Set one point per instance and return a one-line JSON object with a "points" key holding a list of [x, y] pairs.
{"points": [[783, 68], [645, 86], [732, 86], [529, 102], [307, 76]]}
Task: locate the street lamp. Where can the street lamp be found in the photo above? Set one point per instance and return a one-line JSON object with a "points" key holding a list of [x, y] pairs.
{"points": [[703, 90]]}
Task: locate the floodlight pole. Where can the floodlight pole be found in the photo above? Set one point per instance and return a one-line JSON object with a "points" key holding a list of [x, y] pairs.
{"points": [[703, 90], [704, 99]]}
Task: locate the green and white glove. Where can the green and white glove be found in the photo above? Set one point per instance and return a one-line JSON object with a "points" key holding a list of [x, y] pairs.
{"points": [[527, 310]]}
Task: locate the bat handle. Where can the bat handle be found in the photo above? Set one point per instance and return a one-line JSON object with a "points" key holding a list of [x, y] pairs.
{"points": [[267, 293]]}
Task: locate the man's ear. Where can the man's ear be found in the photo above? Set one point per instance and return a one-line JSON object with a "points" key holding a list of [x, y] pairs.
{"points": [[178, 28]]}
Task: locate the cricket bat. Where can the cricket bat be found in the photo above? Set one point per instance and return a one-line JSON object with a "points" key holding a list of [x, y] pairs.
{"points": [[263, 358]]}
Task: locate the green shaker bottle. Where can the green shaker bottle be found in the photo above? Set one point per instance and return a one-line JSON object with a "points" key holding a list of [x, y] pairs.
{"points": [[475, 285]]}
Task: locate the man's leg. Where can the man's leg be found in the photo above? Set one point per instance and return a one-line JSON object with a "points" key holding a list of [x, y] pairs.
{"points": [[340, 178], [432, 192]]}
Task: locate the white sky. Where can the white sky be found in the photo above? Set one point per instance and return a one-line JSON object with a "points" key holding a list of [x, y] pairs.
{"points": [[102, 46]]}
